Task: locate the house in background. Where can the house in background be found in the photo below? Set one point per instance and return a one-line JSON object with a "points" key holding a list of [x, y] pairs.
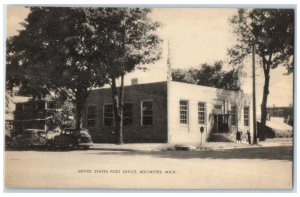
{"points": [[283, 112], [11, 103], [168, 112], [24, 112], [279, 122]]}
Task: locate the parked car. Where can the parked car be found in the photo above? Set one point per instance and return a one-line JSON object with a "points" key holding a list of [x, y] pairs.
{"points": [[30, 138], [70, 139], [51, 135]]}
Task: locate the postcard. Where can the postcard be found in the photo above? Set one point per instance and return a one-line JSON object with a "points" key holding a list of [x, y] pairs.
{"points": [[149, 98]]}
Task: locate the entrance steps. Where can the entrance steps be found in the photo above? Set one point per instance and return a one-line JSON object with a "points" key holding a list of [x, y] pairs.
{"points": [[221, 137]]}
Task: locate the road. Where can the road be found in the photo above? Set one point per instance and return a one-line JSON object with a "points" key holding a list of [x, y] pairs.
{"points": [[251, 168]]}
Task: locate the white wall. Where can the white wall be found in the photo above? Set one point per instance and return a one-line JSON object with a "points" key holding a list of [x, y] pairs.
{"points": [[190, 133]]}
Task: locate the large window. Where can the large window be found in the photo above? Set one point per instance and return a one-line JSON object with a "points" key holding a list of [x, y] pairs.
{"points": [[184, 109], [127, 114], [246, 116], [91, 116], [233, 115], [201, 113], [147, 113], [108, 115]]}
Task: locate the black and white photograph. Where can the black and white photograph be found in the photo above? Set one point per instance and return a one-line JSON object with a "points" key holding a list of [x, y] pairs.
{"points": [[149, 97]]}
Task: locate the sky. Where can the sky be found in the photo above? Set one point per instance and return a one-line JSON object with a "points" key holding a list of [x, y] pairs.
{"points": [[195, 36]]}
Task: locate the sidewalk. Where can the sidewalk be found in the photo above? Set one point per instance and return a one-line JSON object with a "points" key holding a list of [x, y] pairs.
{"points": [[147, 147]]}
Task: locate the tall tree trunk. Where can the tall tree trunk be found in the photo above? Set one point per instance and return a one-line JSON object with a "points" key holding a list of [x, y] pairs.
{"points": [[117, 117], [79, 110], [81, 96], [118, 110], [264, 113], [121, 104]]}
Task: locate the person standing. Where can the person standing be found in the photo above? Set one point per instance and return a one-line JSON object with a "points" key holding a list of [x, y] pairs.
{"points": [[238, 137], [249, 136]]}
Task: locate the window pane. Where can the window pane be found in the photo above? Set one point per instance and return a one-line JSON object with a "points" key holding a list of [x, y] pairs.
{"points": [[91, 116], [147, 120], [147, 113], [108, 115], [108, 108], [127, 114], [183, 112], [147, 106], [233, 115], [108, 122], [246, 116], [201, 113]]}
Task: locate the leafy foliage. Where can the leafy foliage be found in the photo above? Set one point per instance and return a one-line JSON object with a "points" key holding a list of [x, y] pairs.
{"points": [[127, 37], [128, 40], [62, 118], [76, 49], [52, 52], [55, 51], [209, 75], [271, 32]]}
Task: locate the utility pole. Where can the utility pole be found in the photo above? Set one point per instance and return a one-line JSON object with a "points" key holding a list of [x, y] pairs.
{"points": [[254, 94], [253, 85]]}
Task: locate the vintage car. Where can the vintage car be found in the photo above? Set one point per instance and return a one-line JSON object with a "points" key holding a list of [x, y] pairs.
{"points": [[70, 139], [30, 138]]}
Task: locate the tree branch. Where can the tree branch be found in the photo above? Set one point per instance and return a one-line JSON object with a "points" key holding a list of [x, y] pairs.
{"points": [[66, 94]]}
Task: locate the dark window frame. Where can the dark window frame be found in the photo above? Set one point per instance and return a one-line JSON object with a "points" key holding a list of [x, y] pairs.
{"points": [[146, 115], [246, 116], [127, 114], [233, 117], [91, 116], [105, 117]]}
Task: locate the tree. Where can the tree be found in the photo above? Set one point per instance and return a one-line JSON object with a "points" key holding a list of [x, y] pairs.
{"points": [[62, 116], [209, 75], [55, 51], [272, 31], [128, 40]]}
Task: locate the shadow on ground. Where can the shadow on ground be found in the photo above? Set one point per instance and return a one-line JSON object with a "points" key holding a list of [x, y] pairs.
{"points": [[268, 153]]}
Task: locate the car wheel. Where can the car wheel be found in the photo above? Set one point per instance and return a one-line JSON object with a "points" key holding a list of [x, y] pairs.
{"points": [[43, 140], [71, 146]]}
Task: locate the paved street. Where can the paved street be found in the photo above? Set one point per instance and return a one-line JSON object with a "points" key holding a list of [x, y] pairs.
{"points": [[264, 167]]}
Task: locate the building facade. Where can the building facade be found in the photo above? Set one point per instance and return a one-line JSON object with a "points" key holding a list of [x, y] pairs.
{"points": [[32, 114], [169, 112], [145, 114]]}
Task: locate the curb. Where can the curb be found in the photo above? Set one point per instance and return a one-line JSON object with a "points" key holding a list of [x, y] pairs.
{"points": [[206, 148]]}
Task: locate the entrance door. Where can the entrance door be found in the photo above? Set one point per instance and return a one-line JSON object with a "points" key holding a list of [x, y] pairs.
{"points": [[218, 121], [217, 117]]}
